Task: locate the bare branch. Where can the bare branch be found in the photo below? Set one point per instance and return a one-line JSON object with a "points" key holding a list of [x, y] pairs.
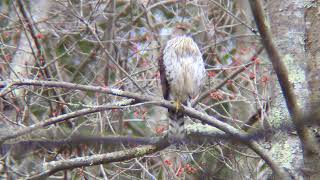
{"points": [[235, 17], [62, 118], [55, 166]]}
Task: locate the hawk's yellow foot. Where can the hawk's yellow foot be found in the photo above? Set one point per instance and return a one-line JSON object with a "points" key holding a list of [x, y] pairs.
{"points": [[178, 105]]}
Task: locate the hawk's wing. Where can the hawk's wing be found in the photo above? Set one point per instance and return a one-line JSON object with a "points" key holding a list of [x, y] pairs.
{"points": [[176, 119], [164, 82]]}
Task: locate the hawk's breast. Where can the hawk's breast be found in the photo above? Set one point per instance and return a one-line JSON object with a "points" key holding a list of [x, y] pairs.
{"points": [[184, 68]]}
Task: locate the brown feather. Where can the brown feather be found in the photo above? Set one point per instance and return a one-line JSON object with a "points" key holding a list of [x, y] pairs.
{"points": [[164, 82], [175, 118]]}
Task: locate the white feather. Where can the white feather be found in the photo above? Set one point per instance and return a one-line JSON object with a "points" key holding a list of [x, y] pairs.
{"points": [[185, 71]]}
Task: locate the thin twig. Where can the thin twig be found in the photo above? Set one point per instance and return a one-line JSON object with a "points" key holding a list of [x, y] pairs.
{"points": [[235, 17], [39, 56], [225, 81]]}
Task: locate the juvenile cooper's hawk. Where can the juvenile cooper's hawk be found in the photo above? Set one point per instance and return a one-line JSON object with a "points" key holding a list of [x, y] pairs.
{"points": [[182, 74]]}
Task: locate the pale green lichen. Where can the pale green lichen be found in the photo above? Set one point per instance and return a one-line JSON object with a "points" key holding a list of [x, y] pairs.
{"points": [[287, 152], [282, 152], [143, 151], [277, 115], [117, 92], [124, 102], [295, 72], [310, 4], [203, 128]]}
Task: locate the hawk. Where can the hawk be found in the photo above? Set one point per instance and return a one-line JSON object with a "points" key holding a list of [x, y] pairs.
{"points": [[182, 74]]}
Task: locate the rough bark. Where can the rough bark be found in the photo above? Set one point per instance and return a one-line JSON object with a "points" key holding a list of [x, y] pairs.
{"points": [[288, 28], [312, 24]]}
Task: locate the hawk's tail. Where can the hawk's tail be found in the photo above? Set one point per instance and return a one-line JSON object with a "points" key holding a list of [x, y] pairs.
{"points": [[176, 131]]}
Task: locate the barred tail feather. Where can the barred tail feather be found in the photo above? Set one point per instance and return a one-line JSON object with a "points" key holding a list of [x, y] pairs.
{"points": [[176, 132]]}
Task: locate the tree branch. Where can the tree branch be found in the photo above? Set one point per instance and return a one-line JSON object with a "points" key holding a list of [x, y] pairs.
{"points": [[55, 166], [38, 46], [62, 118]]}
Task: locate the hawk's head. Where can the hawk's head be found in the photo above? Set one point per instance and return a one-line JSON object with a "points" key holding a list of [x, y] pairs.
{"points": [[181, 29]]}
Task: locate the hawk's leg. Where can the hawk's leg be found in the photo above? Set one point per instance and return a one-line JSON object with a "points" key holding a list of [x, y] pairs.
{"points": [[176, 123], [178, 104]]}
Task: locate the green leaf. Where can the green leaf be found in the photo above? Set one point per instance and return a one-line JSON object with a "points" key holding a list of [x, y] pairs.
{"points": [[85, 46], [226, 57], [160, 174]]}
